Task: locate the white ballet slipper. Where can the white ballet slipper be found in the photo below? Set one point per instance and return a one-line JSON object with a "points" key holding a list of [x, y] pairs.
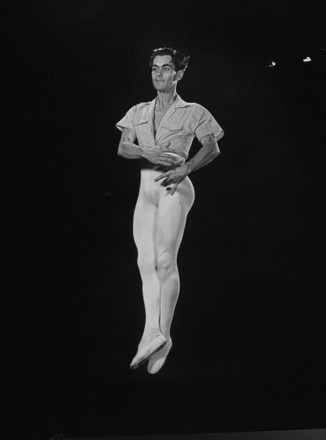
{"points": [[147, 350], [158, 359]]}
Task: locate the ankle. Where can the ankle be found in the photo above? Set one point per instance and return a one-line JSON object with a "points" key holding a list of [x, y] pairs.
{"points": [[149, 335]]}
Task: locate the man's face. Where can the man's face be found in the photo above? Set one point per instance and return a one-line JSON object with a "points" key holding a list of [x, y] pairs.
{"points": [[164, 76]]}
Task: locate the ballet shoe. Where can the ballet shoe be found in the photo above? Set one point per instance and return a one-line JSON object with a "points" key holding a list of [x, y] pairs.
{"points": [[147, 350], [158, 359]]}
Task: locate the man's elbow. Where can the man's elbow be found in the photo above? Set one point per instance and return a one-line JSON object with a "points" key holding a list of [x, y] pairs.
{"points": [[211, 145], [215, 151], [120, 150]]}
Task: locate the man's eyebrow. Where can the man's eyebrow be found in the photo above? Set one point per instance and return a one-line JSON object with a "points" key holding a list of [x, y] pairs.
{"points": [[163, 65]]}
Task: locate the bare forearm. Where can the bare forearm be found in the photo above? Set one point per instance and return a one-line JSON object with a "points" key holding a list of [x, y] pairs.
{"points": [[204, 156], [208, 152], [129, 150]]}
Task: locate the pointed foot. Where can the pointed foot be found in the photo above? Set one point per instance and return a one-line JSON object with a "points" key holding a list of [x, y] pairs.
{"points": [[157, 360], [148, 350]]}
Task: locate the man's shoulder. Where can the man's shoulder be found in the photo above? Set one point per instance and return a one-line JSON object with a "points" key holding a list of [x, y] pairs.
{"points": [[142, 105], [198, 107], [192, 105], [195, 110], [140, 108]]}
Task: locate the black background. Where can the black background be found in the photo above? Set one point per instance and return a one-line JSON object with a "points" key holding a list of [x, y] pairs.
{"points": [[249, 331]]}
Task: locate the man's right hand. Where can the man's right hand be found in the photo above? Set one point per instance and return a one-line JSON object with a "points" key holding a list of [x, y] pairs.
{"points": [[158, 156]]}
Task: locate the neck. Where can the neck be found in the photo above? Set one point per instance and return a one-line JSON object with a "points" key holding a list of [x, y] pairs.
{"points": [[166, 99]]}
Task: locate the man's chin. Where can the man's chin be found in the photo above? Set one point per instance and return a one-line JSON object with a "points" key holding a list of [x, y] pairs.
{"points": [[159, 86]]}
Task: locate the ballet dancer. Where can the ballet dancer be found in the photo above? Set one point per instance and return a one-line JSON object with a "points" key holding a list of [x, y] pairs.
{"points": [[159, 134]]}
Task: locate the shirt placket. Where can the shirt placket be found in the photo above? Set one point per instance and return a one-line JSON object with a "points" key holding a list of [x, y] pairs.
{"points": [[167, 115]]}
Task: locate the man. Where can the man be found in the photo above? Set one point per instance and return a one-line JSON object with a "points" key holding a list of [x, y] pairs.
{"points": [[164, 130]]}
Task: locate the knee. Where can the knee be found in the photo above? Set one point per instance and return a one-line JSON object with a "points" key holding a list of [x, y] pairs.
{"points": [[146, 265], [166, 263]]}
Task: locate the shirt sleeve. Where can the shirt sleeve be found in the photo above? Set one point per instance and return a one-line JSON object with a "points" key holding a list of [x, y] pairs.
{"points": [[128, 120], [206, 124]]}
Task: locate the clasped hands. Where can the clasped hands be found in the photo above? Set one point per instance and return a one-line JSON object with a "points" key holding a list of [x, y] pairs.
{"points": [[175, 173]]}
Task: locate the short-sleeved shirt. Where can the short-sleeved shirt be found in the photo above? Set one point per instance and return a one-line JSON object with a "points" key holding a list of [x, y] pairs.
{"points": [[179, 125]]}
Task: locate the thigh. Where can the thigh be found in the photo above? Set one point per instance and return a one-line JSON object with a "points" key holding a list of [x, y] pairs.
{"points": [[145, 226], [172, 216]]}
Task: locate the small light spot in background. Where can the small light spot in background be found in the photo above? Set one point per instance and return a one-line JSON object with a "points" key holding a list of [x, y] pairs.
{"points": [[272, 64], [306, 60]]}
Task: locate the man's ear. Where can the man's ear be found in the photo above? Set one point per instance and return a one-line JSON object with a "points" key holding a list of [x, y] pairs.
{"points": [[179, 74]]}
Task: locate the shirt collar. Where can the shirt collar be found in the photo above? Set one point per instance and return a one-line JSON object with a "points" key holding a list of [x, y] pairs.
{"points": [[178, 103]]}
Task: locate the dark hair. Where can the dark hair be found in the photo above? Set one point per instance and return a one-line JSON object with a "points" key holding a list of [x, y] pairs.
{"points": [[179, 59]]}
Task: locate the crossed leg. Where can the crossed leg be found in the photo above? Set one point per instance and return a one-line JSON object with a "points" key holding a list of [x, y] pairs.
{"points": [[145, 230], [158, 231], [171, 222]]}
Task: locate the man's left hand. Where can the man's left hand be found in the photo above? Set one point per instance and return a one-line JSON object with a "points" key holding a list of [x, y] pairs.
{"points": [[173, 177]]}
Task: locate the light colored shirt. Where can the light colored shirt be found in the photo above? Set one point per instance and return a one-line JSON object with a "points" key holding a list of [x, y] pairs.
{"points": [[179, 125]]}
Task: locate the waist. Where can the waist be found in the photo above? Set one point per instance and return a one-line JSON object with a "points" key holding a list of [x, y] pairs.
{"points": [[145, 164]]}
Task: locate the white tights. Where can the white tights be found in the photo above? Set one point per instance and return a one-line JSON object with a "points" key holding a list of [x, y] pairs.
{"points": [[159, 222]]}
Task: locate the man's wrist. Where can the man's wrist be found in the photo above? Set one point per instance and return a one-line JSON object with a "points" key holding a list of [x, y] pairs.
{"points": [[142, 152], [188, 166]]}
